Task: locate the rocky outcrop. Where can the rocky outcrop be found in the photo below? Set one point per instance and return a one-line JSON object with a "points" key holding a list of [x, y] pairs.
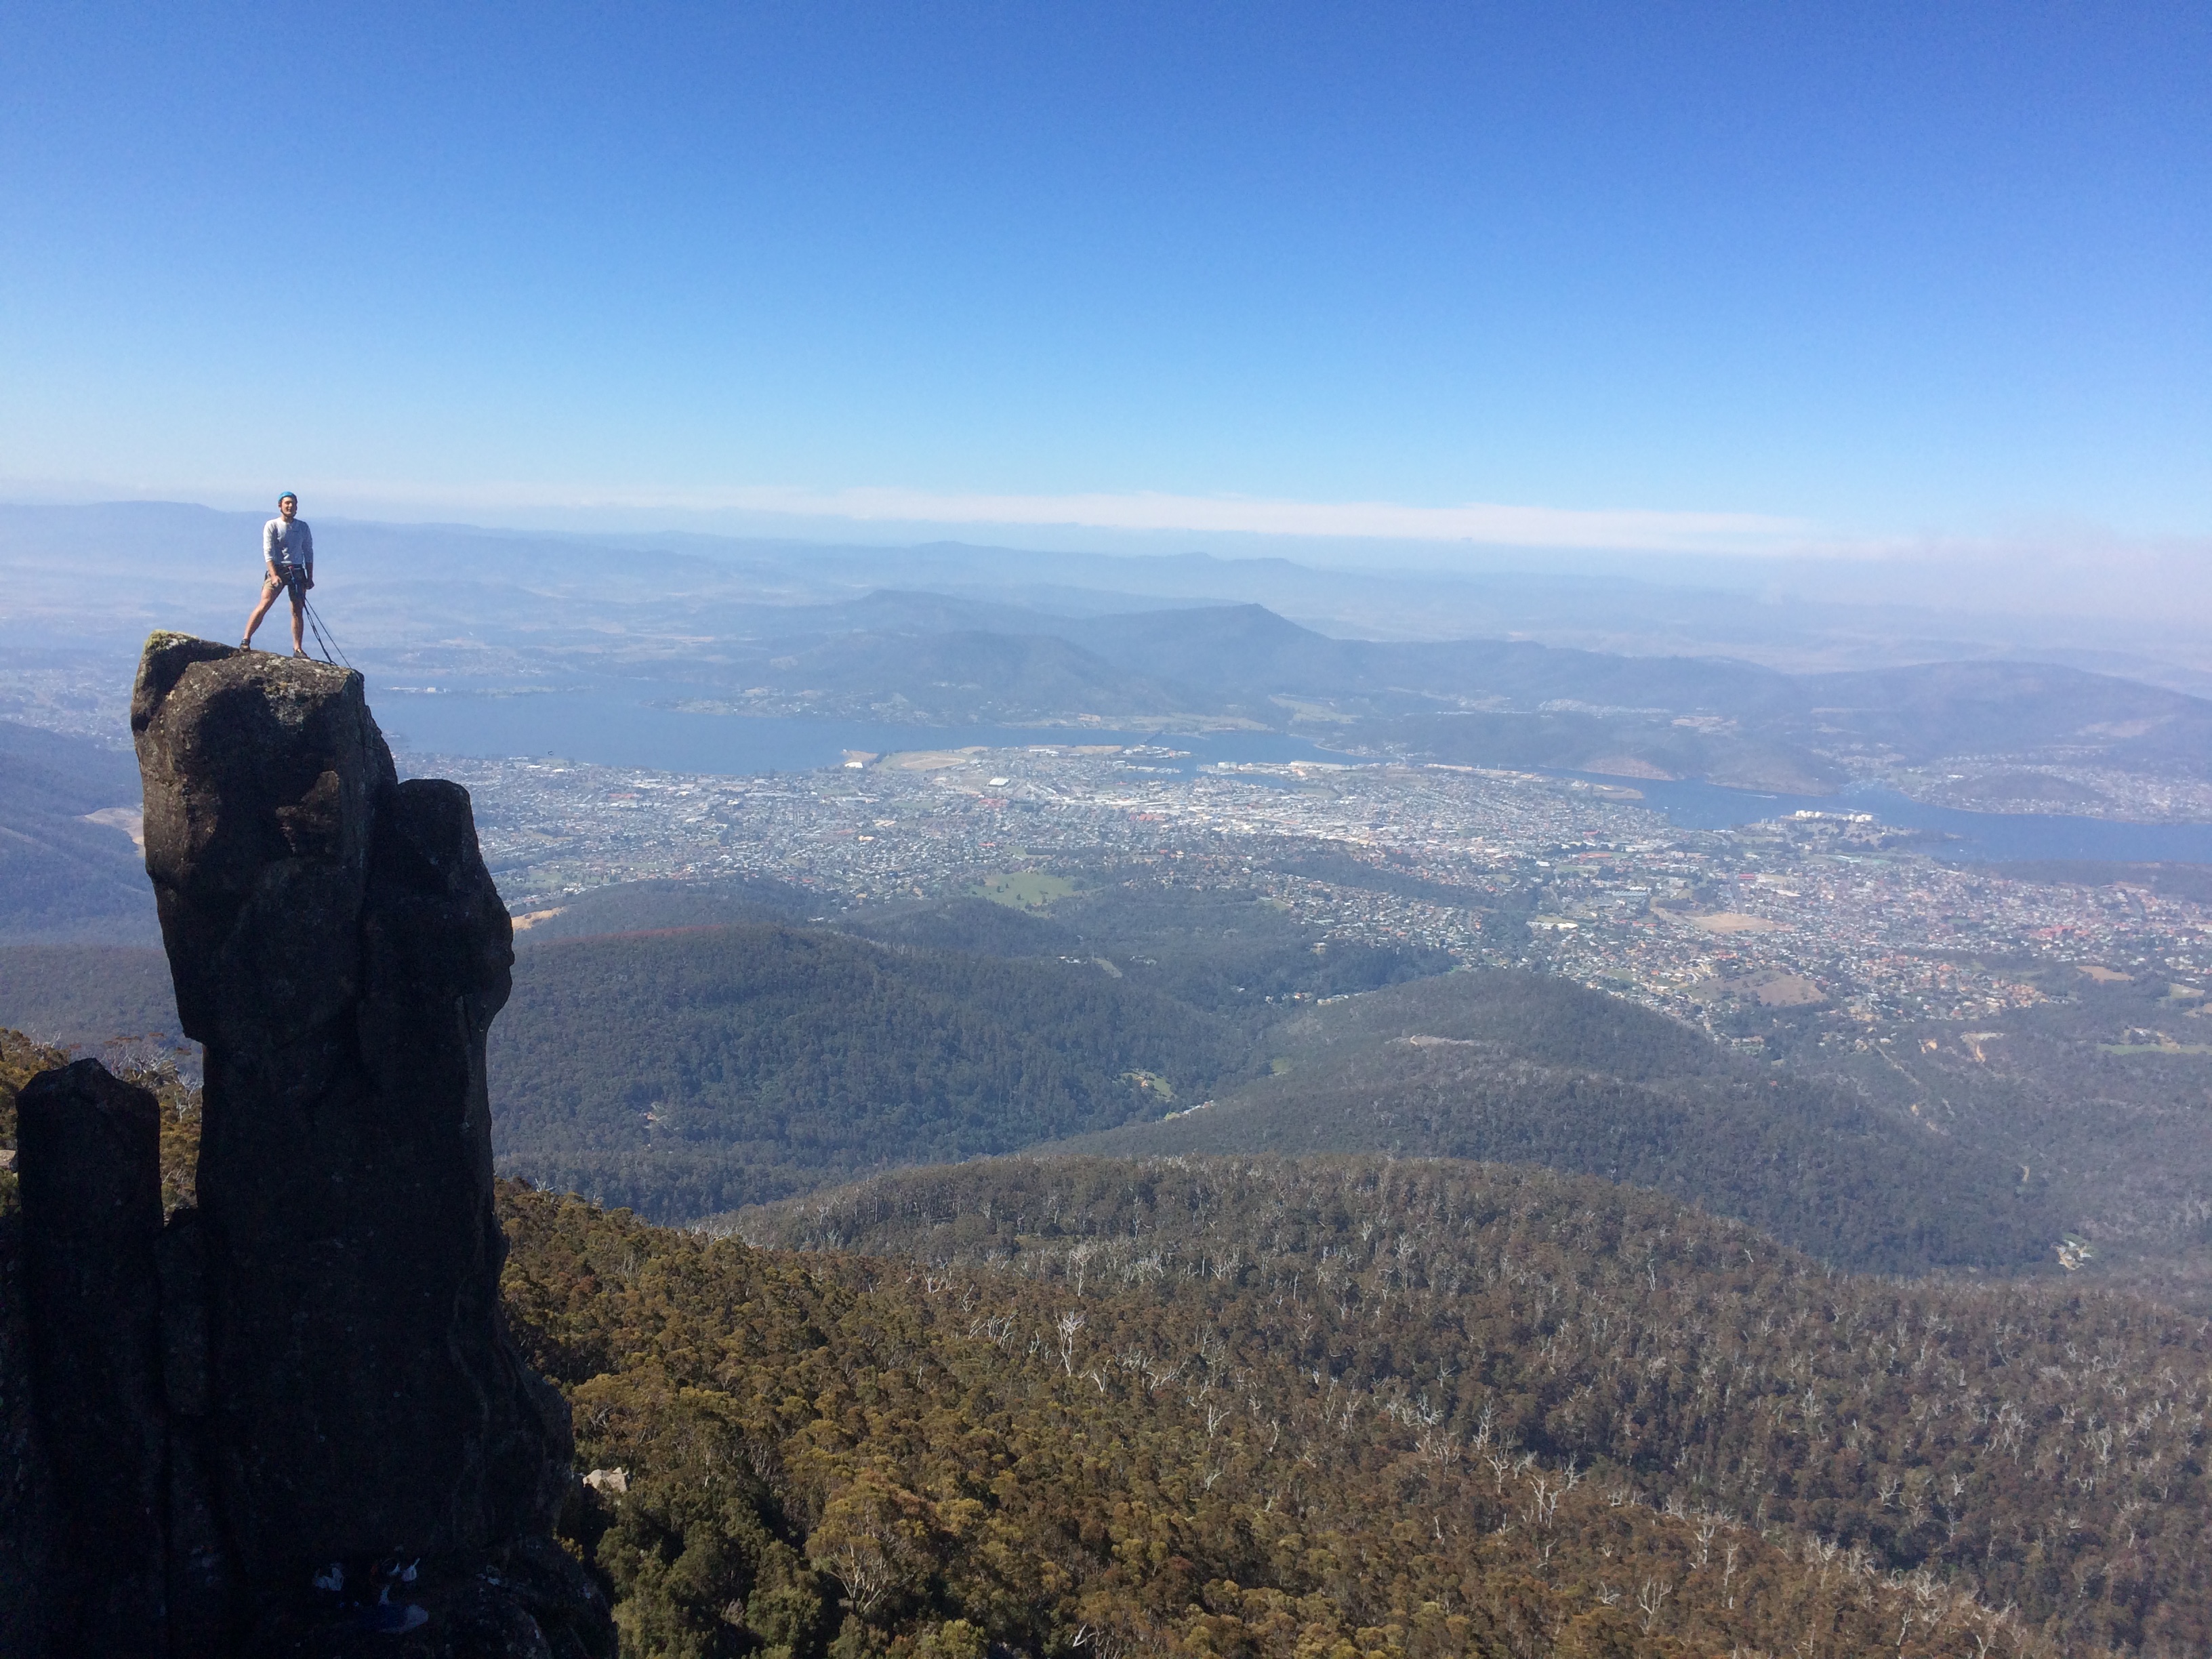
{"points": [[90, 1153], [350, 1450], [26, 1494]]}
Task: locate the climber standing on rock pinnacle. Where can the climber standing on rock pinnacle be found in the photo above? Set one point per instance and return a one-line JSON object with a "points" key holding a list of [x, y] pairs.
{"points": [[288, 548]]}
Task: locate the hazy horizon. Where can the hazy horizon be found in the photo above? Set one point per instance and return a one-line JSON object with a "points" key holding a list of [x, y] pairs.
{"points": [[2092, 578], [1869, 298]]}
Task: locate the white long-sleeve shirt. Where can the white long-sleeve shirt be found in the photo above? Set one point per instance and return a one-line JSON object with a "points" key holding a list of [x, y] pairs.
{"points": [[288, 541]]}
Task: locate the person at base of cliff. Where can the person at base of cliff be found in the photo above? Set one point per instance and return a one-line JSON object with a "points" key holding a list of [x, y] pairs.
{"points": [[288, 548]]}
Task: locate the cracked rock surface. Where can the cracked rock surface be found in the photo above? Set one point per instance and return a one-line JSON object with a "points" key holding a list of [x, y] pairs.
{"points": [[300, 1396]]}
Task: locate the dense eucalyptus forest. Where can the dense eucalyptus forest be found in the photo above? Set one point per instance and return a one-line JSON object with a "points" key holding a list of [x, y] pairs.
{"points": [[1346, 1405]]}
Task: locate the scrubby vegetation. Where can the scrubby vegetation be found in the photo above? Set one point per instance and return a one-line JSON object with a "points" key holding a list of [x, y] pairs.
{"points": [[21, 1059], [1267, 1407]]}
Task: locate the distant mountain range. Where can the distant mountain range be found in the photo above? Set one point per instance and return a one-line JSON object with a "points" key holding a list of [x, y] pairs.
{"points": [[415, 588], [929, 658], [1693, 682]]}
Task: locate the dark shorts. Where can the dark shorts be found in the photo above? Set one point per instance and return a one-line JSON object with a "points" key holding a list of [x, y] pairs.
{"points": [[292, 577]]}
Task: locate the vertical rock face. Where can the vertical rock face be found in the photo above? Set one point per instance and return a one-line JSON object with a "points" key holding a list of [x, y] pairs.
{"points": [[344, 1388], [90, 1151]]}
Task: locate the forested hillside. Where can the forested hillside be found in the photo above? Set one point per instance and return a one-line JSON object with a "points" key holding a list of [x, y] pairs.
{"points": [[1225, 952], [690, 1070], [2100, 1088], [2042, 1444], [1336, 1406], [1344, 1406], [682, 1070], [1523, 1068], [1231, 952], [699, 1069], [61, 876], [87, 994]]}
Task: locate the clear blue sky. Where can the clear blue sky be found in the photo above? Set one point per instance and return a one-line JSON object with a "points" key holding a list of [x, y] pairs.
{"points": [[1877, 268]]}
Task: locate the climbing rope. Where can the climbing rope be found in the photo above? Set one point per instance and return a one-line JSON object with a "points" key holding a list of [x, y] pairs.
{"points": [[323, 638], [315, 625]]}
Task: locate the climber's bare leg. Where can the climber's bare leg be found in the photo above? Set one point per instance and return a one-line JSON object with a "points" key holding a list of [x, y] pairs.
{"points": [[269, 590]]}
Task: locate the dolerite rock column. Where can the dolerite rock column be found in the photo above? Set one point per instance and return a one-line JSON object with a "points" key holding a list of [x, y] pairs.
{"points": [[91, 1216], [340, 950]]}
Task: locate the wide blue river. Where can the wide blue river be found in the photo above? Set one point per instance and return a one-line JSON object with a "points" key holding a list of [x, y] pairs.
{"points": [[617, 728]]}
